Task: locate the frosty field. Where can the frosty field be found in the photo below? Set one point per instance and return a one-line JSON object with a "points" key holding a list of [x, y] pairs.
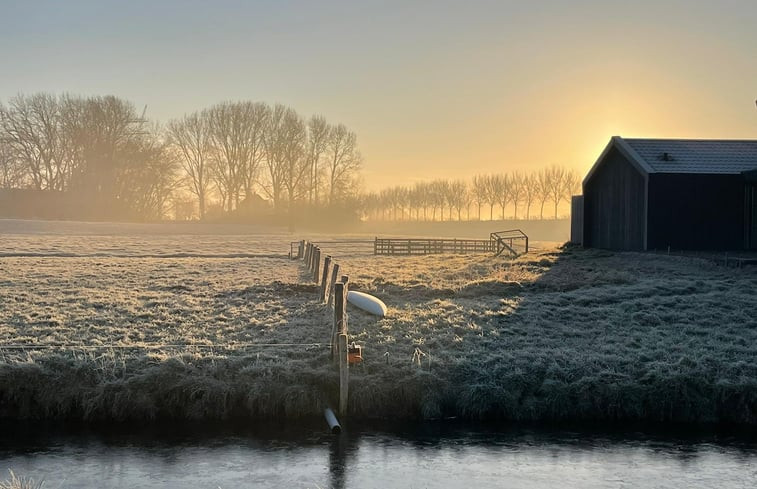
{"points": [[149, 322]]}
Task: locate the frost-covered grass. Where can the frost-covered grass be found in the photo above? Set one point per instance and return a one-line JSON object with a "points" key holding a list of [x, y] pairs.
{"points": [[16, 482], [557, 334]]}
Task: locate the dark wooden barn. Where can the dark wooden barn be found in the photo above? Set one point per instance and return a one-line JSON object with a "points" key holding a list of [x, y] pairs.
{"points": [[646, 194]]}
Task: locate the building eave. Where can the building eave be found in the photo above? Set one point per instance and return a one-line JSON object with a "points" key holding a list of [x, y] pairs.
{"points": [[627, 151]]}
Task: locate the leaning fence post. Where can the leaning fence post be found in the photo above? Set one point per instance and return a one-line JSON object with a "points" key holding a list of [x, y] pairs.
{"points": [[325, 279], [317, 265], [310, 257]]}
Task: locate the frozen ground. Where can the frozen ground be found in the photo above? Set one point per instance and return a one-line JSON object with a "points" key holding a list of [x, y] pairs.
{"points": [[556, 334]]}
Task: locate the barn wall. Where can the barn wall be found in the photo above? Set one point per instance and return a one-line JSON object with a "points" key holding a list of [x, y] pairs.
{"points": [[750, 221], [577, 219], [614, 205], [696, 212]]}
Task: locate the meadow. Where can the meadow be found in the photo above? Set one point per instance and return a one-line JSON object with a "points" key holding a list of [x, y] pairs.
{"points": [[105, 322]]}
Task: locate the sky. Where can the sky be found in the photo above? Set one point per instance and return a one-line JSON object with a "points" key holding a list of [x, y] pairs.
{"points": [[433, 89]]}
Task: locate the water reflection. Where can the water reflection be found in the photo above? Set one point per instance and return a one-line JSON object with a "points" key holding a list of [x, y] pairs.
{"points": [[366, 456], [338, 461]]}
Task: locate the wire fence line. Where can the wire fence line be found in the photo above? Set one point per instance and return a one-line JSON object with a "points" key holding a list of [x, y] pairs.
{"points": [[226, 346], [34, 254]]}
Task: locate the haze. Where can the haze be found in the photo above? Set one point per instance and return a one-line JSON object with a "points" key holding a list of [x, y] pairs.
{"points": [[432, 89]]}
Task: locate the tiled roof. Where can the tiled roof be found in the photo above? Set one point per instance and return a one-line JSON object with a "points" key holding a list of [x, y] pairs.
{"points": [[695, 155]]}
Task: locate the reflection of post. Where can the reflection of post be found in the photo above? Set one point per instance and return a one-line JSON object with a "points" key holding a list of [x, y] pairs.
{"points": [[338, 462]]}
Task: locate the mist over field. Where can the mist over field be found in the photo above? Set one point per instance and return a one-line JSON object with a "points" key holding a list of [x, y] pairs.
{"points": [[110, 322]]}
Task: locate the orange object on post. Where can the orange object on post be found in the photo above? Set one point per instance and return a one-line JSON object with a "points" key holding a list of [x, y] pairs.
{"points": [[354, 354]]}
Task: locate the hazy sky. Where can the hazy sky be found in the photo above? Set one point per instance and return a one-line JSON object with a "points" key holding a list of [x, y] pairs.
{"points": [[433, 89]]}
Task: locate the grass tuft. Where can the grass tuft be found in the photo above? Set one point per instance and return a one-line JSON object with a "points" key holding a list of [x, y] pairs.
{"points": [[16, 482]]}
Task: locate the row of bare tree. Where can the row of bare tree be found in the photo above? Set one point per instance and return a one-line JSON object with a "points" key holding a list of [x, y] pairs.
{"points": [[101, 150], [236, 149], [519, 191], [98, 148]]}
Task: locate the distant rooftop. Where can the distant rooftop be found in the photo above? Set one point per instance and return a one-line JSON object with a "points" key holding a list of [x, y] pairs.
{"points": [[724, 156]]}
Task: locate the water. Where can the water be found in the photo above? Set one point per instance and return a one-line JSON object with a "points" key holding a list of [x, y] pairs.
{"points": [[432, 455]]}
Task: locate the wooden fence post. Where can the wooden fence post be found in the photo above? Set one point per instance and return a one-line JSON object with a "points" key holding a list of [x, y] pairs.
{"points": [[340, 315], [344, 375], [336, 328], [307, 253], [301, 249], [334, 275], [316, 264], [325, 279]]}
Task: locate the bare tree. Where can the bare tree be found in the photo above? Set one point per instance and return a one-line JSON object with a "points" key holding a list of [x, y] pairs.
{"points": [[236, 132], [343, 160], [492, 196], [319, 134], [542, 190], [479, 191], [274, 156], [33, 130], [518, 183], [106, 130], [501, 188], [11, 172], [458, 196], [190, 136], [555, 181], [257, 119], [296, 165], [149, 176], [530, 191], [571, 184]]}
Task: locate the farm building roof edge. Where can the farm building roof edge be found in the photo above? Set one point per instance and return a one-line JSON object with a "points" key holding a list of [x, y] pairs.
{"points": [[747, 163]]}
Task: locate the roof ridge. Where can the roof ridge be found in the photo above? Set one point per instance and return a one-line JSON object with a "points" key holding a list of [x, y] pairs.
{"points": [[690, 139]]}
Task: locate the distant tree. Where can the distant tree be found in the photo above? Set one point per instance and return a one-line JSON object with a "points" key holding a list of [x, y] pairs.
{"points": [[319, 133], [530, 192], [11, 173], [542, 190], [150, 178], [236, 131], [501, 187], [458, 196], [190, 137], [112, 142], [274, 156], [556, 178], [296, 166], [343, 161], [257, 115], [518, 183], [571, 185], [492, 195], [33, 129], [479, 192]]}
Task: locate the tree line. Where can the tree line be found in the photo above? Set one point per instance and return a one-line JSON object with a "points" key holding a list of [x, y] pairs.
{"points": [[104, 151], [452, 199], [229, 158]]}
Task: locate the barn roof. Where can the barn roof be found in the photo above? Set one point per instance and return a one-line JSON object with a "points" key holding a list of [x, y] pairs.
{"points": [[696, 155], [706, 156]]}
